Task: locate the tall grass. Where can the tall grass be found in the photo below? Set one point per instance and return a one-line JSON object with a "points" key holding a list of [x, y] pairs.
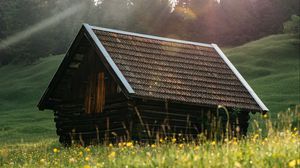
{"points": [[269, 144]]}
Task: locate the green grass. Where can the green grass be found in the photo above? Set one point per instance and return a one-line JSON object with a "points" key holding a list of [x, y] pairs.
{"points": [[22, 87], [279, 149], [271, 67]]}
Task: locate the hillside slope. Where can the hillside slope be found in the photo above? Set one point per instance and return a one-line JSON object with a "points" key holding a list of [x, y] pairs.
{"points": [[21, 88], [270, 65]]}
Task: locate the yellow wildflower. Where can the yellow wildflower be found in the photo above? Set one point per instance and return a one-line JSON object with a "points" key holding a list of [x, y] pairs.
{"points": [[161, 140], [55, 150], [42, 160], [110, 145], [87, 158], [173, 140], [112, 155], [265, 116], [129, 144], [153, 146], [86, 166], [80, 153], [87, 149], [213, 142], [180, 145], [292, 163]]}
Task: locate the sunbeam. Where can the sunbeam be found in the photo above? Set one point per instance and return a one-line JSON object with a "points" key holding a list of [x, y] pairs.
{"points": [[22, 35]]}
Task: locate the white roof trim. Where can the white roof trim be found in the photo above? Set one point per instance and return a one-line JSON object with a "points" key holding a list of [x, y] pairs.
{"points": [[108, 58], [152, 37], [240, 77]]}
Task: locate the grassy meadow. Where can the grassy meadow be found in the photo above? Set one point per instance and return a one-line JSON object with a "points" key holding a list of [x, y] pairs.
{"points": [[272, 68], [279, 148], [270, 65]]}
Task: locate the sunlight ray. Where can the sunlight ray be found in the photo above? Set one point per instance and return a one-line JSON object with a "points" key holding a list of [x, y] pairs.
{"points": [[22, 35]]}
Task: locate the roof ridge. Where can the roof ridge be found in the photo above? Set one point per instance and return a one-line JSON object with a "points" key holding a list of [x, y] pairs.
{"points": [[152, 37]]}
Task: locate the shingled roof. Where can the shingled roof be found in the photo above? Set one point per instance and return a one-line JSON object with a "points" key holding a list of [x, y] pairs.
{"points": [[175, 70]]}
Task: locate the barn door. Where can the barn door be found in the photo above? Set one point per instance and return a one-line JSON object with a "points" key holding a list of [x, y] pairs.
{"points": [[95, 93]]}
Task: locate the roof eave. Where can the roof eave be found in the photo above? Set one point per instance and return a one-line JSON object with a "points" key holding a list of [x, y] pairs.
{"points": [[195, 104], [263, 107]]}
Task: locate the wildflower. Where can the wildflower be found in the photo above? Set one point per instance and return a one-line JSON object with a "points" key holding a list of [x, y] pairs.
{"points": [[120, 144], [153, 146], [213, 142], [265, 116], [80, 153], [129, 144], [55, 150], [110, 145], [112, 155], [87, 149], [87, 158], [161, 140], [292, 163], [180, 145], [86, 166], [42, 160], [173, 140]]}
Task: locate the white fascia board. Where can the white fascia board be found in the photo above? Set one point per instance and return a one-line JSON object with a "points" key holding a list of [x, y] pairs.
{"points": [[108, 58], [241, 78], [152, 37]]}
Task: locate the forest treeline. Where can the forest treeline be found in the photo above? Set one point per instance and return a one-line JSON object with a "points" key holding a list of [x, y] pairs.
{"points": [[226, 22]]}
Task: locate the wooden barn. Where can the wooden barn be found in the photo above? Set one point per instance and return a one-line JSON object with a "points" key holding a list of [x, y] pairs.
{"points": [[114, 85]]}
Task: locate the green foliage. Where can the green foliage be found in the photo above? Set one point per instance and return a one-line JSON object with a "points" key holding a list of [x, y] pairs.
{"points": [[292, 26]]}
